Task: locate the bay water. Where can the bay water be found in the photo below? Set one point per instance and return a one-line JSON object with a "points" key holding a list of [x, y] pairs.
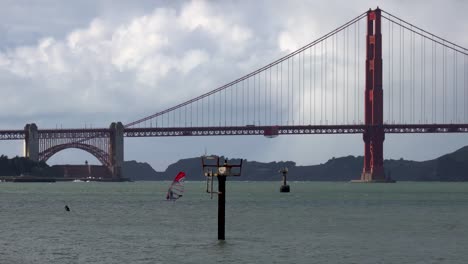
{"points": [[317, 222]]}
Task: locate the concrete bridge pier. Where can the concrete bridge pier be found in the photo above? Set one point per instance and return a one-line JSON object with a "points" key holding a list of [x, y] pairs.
{"points": [[31, 142], [116, 149]]}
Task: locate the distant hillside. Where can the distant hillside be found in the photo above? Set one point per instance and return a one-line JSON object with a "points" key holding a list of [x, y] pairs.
{"points": [[141, 171], [17, 166], [450, 167]]}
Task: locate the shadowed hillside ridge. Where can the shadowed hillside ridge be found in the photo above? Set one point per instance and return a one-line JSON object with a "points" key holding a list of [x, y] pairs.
{"points": [[449, 167]]}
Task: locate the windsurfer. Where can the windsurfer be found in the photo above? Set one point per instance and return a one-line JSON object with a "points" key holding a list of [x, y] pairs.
{"points": [[177, 187]]}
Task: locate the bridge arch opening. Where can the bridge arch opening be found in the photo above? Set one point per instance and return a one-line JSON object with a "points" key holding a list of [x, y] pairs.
{"points": [[75, 152], [73, 156]]}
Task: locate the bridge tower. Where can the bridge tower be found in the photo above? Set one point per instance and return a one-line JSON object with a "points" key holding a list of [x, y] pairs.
{"points": [[373, 102], [31, 142], [116, 149]]}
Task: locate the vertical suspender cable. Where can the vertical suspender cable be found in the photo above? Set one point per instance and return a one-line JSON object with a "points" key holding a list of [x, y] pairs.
{"points": [[258, 98], [434, 94], [248, 113], [443, 84], [389, 70], [315, 77], [265, 101], [292, 90], [411, 72], [454, 86], [281, 86], [225, 107], [403, 78], [422, 81], [355, 75], [299, 86], [254, 101], [358, 73], [243, 103], [392, 99], [413, 89], [347, 75], [337, 67], [326, 82], [334, 80], [260, 116], [277, 90], [335, 77], [287, 120], [433, 65], [276, 95], [310, 86], [270, 101], [444, 61], [321, 84], [303, 89], [401, 75], [232, 105], [344, 76], [464, 90], [411, 75], [237, 104]]}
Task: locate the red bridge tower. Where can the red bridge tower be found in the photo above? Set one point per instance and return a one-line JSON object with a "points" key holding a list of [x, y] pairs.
{"points": [[373, 101]]}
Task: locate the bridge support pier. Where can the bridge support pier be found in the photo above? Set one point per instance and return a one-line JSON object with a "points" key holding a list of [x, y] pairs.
{"points": [[31, 142], [373, 170], [116, 149]]}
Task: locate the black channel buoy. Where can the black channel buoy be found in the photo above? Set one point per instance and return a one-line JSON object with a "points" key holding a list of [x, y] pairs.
{"points": [[284, 186]]}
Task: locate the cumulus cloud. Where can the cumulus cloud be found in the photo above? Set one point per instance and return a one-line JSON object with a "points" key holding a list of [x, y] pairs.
{"points": [[293, 37], [101, 66], [123, 64]]}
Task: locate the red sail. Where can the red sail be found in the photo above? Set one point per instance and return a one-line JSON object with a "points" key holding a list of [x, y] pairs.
{"points": [[179, 176], [176, 189]]}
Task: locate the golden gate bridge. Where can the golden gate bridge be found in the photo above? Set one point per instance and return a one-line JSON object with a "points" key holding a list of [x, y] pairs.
{"points": [[375, 74]]}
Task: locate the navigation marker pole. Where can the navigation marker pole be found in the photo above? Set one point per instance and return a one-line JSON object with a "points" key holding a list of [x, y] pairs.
{"points": [[213, 168], [221, 206]]}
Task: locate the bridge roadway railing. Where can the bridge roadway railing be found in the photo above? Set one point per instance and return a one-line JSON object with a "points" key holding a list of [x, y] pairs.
{"points": [[272, 131], [12, 134], [292, 130], [57, 133]]}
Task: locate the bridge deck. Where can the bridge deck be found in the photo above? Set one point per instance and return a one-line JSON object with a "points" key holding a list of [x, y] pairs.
{"points": [[241, 130]]}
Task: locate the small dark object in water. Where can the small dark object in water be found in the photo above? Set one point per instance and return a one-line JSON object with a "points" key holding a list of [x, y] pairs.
{"points": [[284, 186], [67, 208]]}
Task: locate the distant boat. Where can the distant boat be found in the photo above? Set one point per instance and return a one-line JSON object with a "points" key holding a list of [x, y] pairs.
{"points": [[176, 190]]}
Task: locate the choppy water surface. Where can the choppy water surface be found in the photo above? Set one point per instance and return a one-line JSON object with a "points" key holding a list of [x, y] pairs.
{"points": [[317, 222]]}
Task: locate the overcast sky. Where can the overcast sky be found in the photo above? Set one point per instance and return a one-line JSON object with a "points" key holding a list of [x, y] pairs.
{"points": [[87, 63]]}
